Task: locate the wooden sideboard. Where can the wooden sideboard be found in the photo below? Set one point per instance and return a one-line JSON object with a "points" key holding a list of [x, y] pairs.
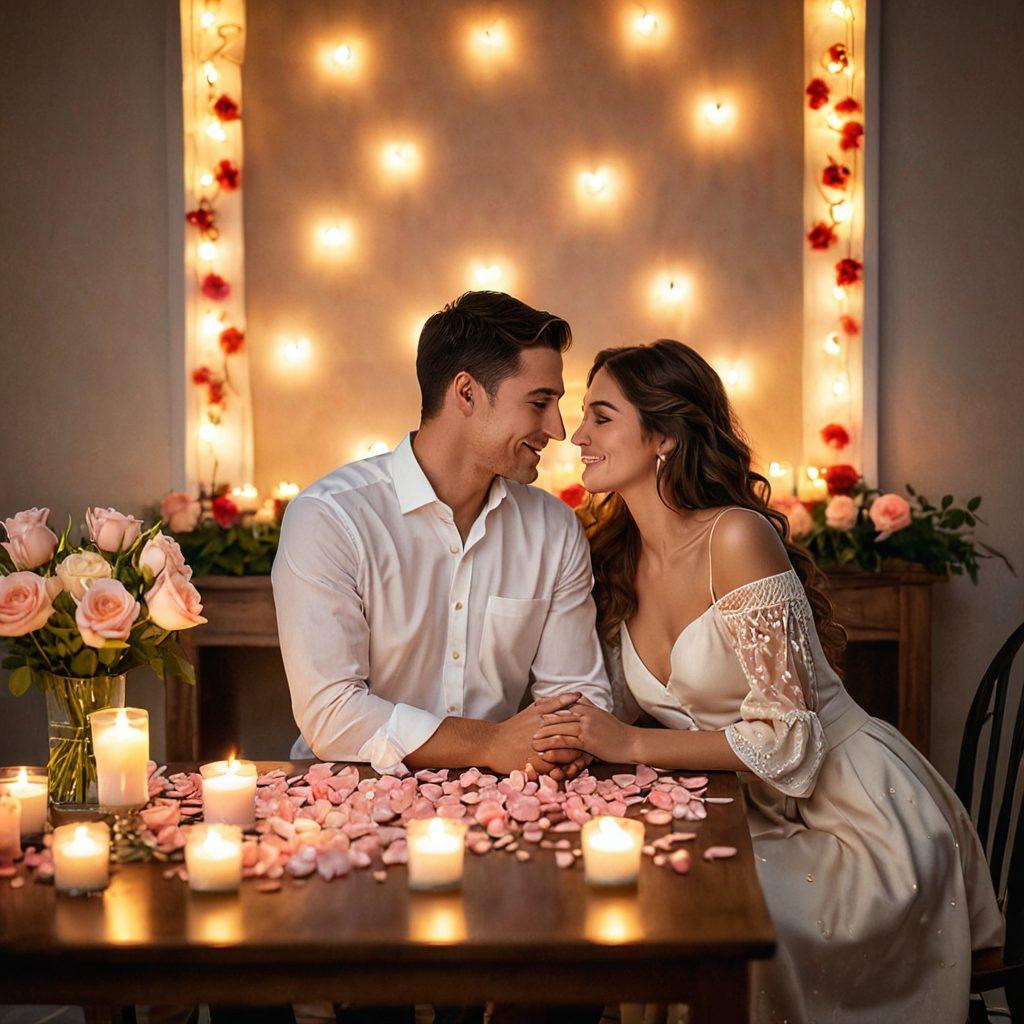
{"points": [[887, 617]]}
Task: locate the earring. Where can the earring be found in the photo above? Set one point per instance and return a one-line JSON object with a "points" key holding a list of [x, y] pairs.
{"points": [[660, 460]]}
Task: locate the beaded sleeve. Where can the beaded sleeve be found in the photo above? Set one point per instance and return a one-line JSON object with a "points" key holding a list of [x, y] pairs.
{"points": [[779, 736]]}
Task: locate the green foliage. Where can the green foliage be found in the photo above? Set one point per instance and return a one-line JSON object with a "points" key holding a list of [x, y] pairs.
{"points": [[939, 538], [246, 549]]}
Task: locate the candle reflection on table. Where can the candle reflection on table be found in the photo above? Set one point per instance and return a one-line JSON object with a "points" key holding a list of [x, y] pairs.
{"points": [[215, 920], [612, 920], [437, 919]]}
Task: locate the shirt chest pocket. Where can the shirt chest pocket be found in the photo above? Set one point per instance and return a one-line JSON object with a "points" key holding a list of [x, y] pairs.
{"points": [[509, 641]]}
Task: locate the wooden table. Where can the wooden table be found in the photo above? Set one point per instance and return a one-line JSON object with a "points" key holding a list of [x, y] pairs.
{"points": [[887, 616], [517, 932]]}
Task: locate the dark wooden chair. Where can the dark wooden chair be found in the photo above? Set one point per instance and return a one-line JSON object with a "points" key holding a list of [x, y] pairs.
{"points": [[1002, 839]]}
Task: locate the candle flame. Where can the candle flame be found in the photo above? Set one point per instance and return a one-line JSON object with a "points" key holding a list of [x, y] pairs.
{"points": [[22, 776]]}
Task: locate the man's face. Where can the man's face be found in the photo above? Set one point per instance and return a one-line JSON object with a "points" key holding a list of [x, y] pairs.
{"points": [[511, 432]]}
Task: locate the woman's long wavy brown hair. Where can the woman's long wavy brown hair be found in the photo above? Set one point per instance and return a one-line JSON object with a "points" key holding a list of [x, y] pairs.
{"points": [[678, 394]]}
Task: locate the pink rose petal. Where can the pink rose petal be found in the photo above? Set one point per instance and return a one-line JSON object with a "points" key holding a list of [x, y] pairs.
{"points": [[564, 858], [719, 852]]}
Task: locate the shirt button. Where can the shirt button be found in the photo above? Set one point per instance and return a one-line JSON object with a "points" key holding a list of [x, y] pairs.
{"points": [[458, 606], [454, 550], [455, 655]]}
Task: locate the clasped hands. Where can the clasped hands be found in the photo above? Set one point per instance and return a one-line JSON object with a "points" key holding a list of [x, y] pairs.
{"points": [[559, 736]]}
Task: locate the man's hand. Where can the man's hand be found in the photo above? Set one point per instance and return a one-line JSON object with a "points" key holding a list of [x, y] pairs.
{"points": [[512, 747], [583, 727]]}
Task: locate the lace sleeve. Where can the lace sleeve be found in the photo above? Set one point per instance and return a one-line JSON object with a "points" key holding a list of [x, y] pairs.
{"points": [[778, 736]]}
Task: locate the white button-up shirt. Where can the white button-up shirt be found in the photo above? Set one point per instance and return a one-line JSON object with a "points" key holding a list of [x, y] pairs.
{"points": [[388, 623]]}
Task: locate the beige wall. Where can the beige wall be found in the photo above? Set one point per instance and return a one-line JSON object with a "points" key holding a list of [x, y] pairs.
{"points": [[85, 281], [952, 344], [497, 178]]}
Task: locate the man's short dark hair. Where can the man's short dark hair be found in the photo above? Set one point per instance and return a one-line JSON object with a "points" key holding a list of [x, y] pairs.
{"points": [[483, 334]]}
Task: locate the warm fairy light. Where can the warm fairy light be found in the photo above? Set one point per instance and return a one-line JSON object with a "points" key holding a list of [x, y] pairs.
{"points": [[207, 250], [490, 43], [839, 387], [212, 323], [732, 376], [211, 73], [839, 293], [343, 55], [841, 9], [208, 431], [215, 130], [670, 290], [836, 67], [596, 185], [285, 491], [718, 113], [295, 351], [206, 179], [366, 449], [832, 344], [336, 236], [646, 24], [490, 276], [416, 325], [207, 19], [842, 212], [400, 159]]}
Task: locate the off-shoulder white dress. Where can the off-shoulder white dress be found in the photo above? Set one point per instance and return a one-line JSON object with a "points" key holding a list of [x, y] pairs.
{"points": [[871, 869]]}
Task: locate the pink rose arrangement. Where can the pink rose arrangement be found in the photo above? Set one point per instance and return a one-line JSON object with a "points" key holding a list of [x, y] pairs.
{"points": [[73, 616]]}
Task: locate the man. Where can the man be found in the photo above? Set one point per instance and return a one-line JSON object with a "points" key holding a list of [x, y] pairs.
{"points": [[417, 592]]}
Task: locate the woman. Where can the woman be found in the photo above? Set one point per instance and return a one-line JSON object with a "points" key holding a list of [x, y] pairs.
{"points": [[871, 869]]}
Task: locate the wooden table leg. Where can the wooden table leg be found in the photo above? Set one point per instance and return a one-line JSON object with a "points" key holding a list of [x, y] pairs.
{"points": [[721, 996]]}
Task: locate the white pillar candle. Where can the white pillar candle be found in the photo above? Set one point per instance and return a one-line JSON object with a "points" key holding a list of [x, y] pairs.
{"points": [[213, 857], [81, 857], [229, 792], [10, 828], [29, 787], [437, 849], [611, 850], [120, 740]]}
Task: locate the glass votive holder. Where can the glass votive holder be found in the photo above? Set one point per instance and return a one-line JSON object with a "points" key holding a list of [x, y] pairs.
{"points": [[436, 852], [81, 857], [10, 828], [28, 785], [120, 741], [612, 848], [229, 793], [213, 858]]}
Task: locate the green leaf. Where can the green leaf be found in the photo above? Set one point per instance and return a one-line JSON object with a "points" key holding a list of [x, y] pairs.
{"points": [[947, 500], [911, 491], [19, 680], [973, 504], [176, 664], [84, 663], [108, 655]]}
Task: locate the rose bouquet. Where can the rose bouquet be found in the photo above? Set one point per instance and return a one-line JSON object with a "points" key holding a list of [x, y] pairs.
{"points": [[77, 617], [863, 527]]}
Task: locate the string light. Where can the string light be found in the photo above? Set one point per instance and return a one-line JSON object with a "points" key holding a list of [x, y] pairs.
{"points": [[207, 19], [207, 251], [490, 43], [216, 130], [337, 236], [343, 55], [671, 290], [206, 179], [212, 323], [490, 276], [835, 121], [211, 73], [832, 344], [842, 212], [839, 386], [400, 159], [839, 293], [208, 431], [596, 185], [717, 114], [646, 24], [732, 376], [295, 351], [841, 9]]}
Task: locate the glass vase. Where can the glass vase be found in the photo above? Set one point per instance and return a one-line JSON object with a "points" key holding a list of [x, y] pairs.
{"points": [[71, 771]]}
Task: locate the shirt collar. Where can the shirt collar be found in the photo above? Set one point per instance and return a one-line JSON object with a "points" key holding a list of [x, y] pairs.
{"points": [[414, 489]]}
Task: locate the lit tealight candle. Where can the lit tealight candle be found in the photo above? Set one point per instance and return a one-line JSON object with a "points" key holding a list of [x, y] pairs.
{"points": [[246, 497], [437, 848], [611, 850], [10, 828], [213, 857], [120, 740], [229, 792], [30, 791], [81, 857], [285, 491]]}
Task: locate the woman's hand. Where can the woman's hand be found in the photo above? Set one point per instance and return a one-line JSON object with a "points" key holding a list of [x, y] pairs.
{"points": [[585, 727]]}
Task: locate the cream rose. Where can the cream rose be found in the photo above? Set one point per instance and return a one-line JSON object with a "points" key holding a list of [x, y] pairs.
{"points": [[800, 521], [30, 542], [76, 571], [111, 530], [180, 511], [841, 512], [26, 602], [162, 552], [889, 513], [106, 612], [174, 603]]}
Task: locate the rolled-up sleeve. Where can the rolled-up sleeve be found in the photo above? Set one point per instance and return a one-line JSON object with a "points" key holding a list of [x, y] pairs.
{"points": [[325, 639], [569, 656]]}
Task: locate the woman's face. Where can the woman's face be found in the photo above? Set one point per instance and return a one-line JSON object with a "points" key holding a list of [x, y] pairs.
{"points": [[616, 454]]}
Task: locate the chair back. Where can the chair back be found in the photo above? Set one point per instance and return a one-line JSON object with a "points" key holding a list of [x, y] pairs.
{"points": [[1002, 840]]}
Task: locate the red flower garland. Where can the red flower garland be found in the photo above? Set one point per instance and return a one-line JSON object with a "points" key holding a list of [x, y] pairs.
{"points": [[225, 512], [835, 175], [848, 106], [215, 287], [226, 108], [818, 92], [821, 236], [835, 436], [848, 271], [202, 375], [228, 175], [204, 217], [853, 132], [231, 340], [849, 325]]}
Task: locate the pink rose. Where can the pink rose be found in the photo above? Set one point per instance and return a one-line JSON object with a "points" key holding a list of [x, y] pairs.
{"points": [[30, 541], [162, 552], [889, 513], [180, 511], [106, 612], [111, 530], [26, 602], [841, 512], [800, 521], [174, 603]]}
